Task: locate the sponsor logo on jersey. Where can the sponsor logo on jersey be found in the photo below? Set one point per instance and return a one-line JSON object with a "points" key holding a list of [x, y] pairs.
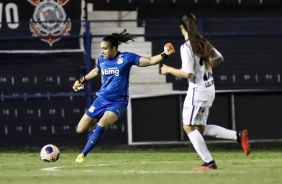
{"points": [[209, 83], [49, 19], [111, 71]]}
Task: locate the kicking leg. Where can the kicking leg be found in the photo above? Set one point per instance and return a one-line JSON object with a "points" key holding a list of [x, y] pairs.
{"points": [[223, 133], [220, 132], [105, 122]]}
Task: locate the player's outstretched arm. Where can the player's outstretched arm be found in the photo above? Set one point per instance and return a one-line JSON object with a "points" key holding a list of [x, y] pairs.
{"points": [[217, 61], [217, 58], [165, 69], [148, 61], [79, 84]]}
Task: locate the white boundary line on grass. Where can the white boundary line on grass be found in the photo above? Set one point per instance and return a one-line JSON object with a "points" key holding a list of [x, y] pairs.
{"points": [[60, 167], [127, 172]]}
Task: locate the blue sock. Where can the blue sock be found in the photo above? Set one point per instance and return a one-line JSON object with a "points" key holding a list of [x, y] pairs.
{"points": [[91, 132], [93, 139]]}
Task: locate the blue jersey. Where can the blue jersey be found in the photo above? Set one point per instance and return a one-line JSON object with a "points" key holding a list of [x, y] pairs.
{"points": [[115, 72]]}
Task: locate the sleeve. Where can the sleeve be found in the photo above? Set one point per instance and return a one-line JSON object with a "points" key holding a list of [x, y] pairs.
{"points": [[98, 63], [216, 55], [134, 58], [187, 59]]}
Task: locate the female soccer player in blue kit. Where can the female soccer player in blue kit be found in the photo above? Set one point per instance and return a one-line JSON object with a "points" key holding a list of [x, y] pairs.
{"points": [[198, 58], [112, 98]]}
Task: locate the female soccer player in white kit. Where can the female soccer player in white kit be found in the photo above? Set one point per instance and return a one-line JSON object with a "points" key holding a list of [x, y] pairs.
{"points": [[198, 58]]}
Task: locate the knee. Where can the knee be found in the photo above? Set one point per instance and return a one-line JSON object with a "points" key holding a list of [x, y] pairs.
{"points": [[81, 130], [188, 128]]}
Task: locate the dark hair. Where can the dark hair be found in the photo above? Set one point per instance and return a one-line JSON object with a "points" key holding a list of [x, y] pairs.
{"points": [[117, 38], [200, 45], [185, 17]]}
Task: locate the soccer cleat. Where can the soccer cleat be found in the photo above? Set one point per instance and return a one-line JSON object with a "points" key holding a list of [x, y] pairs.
{"points": [[206, 166], [244, 141], [80, 158]]}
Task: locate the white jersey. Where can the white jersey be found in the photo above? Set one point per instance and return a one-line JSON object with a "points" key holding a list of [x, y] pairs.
{"points": [[201, 91]]}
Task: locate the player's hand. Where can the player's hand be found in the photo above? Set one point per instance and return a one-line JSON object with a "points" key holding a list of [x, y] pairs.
{"points": [[79, 84], [164, 69], [169, 49]]}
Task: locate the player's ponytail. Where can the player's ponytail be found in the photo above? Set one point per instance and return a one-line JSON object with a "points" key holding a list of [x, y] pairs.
{"points": [[117, 38], [123, 37], [200, 45]]}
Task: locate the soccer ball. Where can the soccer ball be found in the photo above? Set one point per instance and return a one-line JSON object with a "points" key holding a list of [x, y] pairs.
{"points": [[50, 153]]}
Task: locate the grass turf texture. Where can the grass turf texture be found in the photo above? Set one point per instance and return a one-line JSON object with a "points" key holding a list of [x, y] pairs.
{"points": [[167, 166]]}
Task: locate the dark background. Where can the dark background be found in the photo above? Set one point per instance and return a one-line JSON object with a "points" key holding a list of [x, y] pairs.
{"points": [[38, 106]]}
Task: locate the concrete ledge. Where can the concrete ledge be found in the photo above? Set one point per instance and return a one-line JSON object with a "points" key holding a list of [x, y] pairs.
{"points": [[112, 15]]}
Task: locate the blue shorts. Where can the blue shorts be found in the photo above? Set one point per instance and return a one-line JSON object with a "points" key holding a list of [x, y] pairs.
{"points": [[100, 106]]}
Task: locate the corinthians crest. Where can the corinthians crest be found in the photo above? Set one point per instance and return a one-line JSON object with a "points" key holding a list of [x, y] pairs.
{"points": [[49, 19]]}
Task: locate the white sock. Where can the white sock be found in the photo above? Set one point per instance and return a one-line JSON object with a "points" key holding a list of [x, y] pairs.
{"points": [[220, 132], [200, 146]]}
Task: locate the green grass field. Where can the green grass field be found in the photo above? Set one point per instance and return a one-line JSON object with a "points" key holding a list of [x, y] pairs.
{"points": [[160, 166]]}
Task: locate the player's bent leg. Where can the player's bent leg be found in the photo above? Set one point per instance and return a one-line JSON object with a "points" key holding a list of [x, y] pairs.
{"points": [[91, 143], [106, 121], [85, 124], [220, 132], [188, 128]]}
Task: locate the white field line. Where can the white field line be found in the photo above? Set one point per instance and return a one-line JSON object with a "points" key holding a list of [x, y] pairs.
{"points": [[60, 167], [127, 172]]}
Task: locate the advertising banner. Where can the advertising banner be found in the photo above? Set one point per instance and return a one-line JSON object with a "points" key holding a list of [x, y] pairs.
{"points": [[40, 25]]}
